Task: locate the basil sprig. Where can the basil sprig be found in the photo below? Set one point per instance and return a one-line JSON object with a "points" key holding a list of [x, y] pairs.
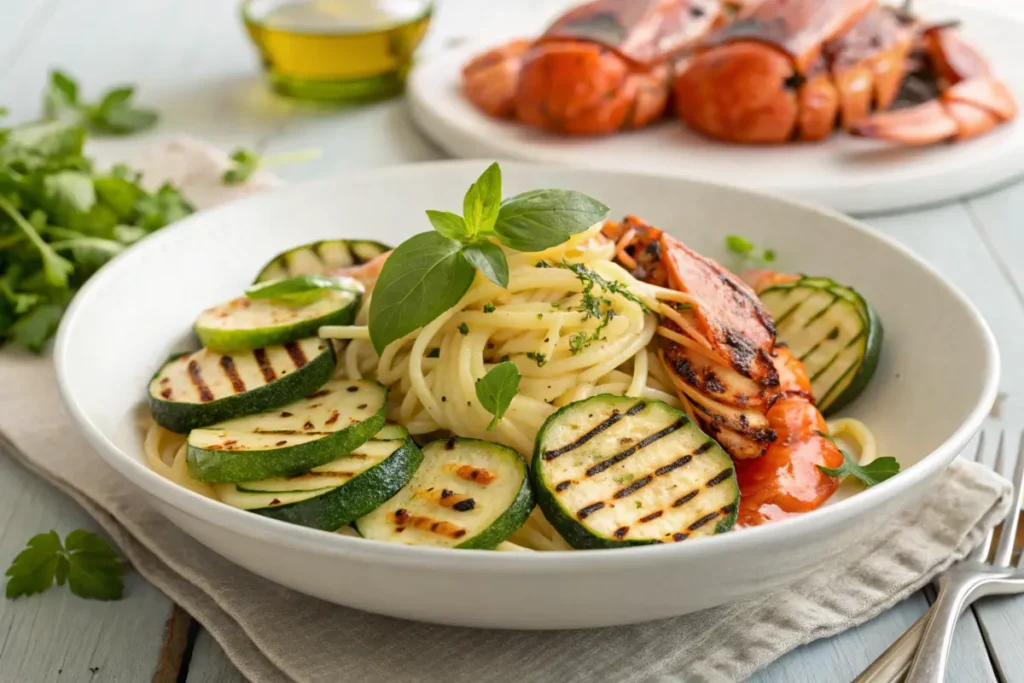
{"points": [[430, 272], [496, 389]]}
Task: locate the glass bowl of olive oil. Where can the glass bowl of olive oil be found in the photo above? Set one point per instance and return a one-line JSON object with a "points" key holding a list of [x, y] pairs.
{"points": [[337, 50]]}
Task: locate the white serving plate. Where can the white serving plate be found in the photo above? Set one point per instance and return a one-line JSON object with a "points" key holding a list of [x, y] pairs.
{"points": [[845, 173], [935, 384]]}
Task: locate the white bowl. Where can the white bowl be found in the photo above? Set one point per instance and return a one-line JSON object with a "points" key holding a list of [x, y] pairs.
{"points": [[936, 381]]}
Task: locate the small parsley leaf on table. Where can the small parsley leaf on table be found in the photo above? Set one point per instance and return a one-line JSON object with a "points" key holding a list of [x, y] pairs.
{"points": [[496, 389], [85, 561]]}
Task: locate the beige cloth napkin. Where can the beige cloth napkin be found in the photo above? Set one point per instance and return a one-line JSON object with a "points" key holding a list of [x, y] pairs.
{"points": [[274, 634]]}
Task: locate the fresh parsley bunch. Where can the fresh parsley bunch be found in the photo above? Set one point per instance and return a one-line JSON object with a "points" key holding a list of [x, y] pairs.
{"points": [[61, 219]]}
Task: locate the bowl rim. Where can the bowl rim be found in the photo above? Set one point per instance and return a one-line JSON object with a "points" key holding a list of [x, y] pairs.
{"points": [[344, 547]]}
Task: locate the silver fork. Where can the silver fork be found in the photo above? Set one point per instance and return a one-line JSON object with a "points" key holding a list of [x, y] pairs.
{"points": [[930, 638]]}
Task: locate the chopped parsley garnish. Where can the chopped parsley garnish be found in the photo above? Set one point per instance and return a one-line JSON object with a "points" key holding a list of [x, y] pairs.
{"points": [[464, 328], [488, 307], [539, 358]]}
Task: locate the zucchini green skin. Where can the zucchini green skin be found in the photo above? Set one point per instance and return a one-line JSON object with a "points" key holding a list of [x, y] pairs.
{"points": [[514, 516], [866, 371], [320, 257], [829, 405], [359, 496], [229, 341], [502, 526], [574, 533], [216, 466], [182, 417]]}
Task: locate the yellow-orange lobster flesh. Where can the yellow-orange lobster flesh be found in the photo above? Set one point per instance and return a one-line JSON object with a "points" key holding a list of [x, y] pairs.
{"points": [[718, 348], [969, 99], [789, 69], [602, 67]]}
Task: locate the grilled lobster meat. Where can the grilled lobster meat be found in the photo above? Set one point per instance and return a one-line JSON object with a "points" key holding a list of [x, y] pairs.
{"points": [[790, 69], [718, 347], [964, 99], [602, 67]]}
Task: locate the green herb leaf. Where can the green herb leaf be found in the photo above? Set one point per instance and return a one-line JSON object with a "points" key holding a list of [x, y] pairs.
{"points": [[449, 224], [85, 561], [490, 260], [161, 208], [244, 164], [424, 277], [875, 472], [539, 358], [34, 329], [482, 202], [115, 114], [60, 99], [541, 219], [70, 191], [463, 328], [303, 284], [56, 268], [95, 570], [739, 245], [35, 567], [496, 389]]}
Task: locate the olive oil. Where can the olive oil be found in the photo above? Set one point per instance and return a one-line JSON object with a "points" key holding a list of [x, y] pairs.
{"points": [[337, 50]]}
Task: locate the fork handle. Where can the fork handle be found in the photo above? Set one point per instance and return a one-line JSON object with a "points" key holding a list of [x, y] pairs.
{"points": [[893, 664], [929, 666]]}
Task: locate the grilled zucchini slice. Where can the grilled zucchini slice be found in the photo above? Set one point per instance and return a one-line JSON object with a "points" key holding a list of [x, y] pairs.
{"points": [[833, 330], [614, 471], [320, 258], [244, 323], [203, 387], [333, 495], [292, 439], [466, 494]]}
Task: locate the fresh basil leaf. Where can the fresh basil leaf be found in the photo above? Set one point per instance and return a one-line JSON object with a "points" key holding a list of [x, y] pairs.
{"points": [[117, 115], [541, 219], [52, 140], [490, 260], [425, 276], [482, 202], [875, 472], [496, 389], [56, 269], [449, 224], [277, 289], [161, 208], [70, 191], [128, 234]]}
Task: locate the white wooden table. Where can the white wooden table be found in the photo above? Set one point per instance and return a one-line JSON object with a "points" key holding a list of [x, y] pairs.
{"points": [[194, 65]]}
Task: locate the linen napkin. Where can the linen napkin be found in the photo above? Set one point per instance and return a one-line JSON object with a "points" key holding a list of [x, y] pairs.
{"points": [[274, 634]]}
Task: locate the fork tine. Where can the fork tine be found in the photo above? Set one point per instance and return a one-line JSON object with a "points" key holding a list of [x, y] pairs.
{"points": [[1009, 532], [980, 553]]}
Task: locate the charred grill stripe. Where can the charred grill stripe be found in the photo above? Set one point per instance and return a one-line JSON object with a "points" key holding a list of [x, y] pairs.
{"points": [[600, 427], [195, 373], [822, 312], [634, 487], [585, 512], [296, 354], [643, 443], [719, 478], [685, 499], [228, 364], [680, 537], [651, 517], [728, 509], [266, 369], [290, 431], [464, 505], [856, 338], [673, 465], [814, 348], [563, 485], [703, 520], [621, 532], [704, 448]]}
